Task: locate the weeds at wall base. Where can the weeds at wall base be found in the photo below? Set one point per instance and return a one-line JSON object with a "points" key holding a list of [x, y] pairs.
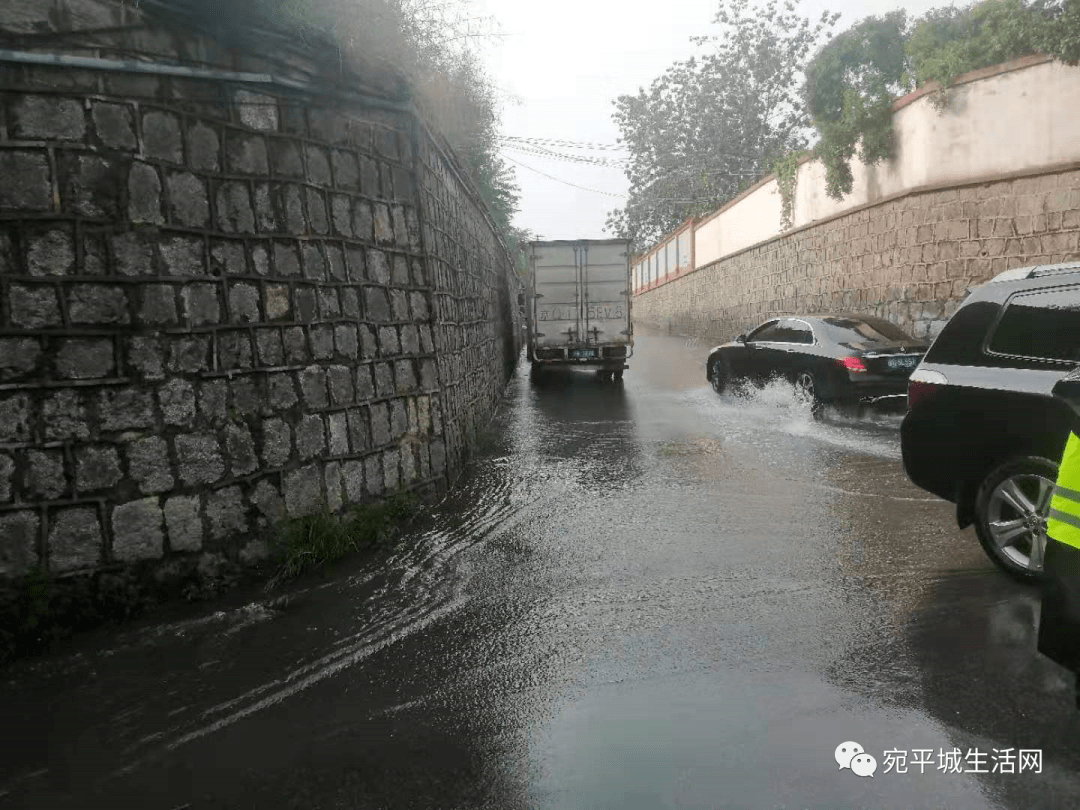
{"points": [[38, 611], [313, 541]]}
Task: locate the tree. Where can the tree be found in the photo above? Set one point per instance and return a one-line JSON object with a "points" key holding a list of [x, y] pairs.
{"points": [[712, 124], [1060, 36], [850, 85], [852, 80], [946, 42], [519, 249]]}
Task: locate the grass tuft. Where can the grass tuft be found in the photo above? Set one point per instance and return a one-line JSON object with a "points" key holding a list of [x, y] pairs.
{"points": [[314, 541]]}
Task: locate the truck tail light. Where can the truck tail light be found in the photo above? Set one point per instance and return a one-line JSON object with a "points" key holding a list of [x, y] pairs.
{"points": [[923, 384], [852, 363]]}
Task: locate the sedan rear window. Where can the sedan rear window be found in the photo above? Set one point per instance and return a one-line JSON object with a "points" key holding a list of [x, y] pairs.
{"points": [[1044, 325], [851, 330]]}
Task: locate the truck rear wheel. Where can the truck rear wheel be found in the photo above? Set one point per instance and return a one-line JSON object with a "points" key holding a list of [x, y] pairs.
{"points": [[618, 376]]}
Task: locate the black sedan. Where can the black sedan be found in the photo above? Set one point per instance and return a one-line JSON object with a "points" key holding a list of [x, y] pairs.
{"points": [[844, 359]]}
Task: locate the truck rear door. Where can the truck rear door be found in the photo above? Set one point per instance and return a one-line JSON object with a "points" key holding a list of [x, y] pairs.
{"points": [[581, 292]]}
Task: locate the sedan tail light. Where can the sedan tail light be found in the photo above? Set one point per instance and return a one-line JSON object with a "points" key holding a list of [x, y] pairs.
{"points": [[923, 384], [852, 363]]}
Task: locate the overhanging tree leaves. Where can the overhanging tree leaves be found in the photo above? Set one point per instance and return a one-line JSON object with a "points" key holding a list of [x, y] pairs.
{"points": [[850, 85], [1060, 35], [851, 81], [711, 125], [948, 41]]}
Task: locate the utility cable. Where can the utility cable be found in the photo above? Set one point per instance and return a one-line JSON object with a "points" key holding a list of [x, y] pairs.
{"points": [[557, 180], [565, 143]]}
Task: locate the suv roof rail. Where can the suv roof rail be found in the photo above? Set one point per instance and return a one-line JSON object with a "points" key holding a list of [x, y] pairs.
{"points": [[1036, 271]]}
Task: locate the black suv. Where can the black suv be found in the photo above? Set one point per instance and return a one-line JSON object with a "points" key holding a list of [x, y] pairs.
{"points": [[983, 429]]}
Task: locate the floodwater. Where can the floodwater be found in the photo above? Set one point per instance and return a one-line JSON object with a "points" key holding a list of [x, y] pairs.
{"points": [[641, 596]]}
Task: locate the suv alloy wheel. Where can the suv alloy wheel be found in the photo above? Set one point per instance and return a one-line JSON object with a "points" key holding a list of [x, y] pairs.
{"points": [[1011, 509]]}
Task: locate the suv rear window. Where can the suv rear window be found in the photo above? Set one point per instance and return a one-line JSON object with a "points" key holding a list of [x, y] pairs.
{"points": [[1044, 325]]}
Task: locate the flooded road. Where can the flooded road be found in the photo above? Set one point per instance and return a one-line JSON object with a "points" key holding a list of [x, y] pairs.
{"points": [[640, 597]]}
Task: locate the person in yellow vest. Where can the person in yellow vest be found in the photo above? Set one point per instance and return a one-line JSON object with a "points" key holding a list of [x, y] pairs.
{"points": [[1059, 621]]}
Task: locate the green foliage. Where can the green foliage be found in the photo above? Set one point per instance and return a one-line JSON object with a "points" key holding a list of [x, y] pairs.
{"points": [[705, 129], [849, 89], [1060, 35], [851, 81], [519, 249], [37, 611], [314, 541], [24, 615], [786, 169], [947, 42]]}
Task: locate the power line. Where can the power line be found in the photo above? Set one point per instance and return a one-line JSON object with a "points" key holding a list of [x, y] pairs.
{"points": [[668, 200], [548, 154], [545, 150], [557, 180], [565, 143], [755, 167], [610, 146]]}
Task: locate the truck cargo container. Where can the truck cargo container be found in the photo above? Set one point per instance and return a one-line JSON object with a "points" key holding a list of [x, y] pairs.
{"points": [[578, 307]]}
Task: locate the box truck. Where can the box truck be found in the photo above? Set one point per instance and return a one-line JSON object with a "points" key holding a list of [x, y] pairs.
{"points": [[578, 305]]}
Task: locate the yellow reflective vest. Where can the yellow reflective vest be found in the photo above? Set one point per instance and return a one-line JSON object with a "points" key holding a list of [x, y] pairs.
{"points": [[1063, 522], [1059, 622]]}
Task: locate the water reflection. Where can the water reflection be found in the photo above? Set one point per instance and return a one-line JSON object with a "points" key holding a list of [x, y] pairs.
{"points": [[982, 678]]}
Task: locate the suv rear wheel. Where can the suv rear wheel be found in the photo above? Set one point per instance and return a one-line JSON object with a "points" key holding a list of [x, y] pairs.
{"points": [[1011, 508]]}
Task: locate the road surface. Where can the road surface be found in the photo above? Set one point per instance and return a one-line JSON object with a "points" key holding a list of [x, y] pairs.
{"points": [[640, 597]]}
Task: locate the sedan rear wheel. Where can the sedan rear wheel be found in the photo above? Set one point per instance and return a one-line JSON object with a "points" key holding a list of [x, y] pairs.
{"points": [[1011, 510], [806, 393]]}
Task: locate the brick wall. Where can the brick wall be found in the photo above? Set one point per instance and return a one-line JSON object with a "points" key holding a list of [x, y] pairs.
{"points": [[221, 306], [908, 259]]}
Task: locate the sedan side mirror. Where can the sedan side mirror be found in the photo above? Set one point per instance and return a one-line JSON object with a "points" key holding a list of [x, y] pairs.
{"points": [[741, 339]]}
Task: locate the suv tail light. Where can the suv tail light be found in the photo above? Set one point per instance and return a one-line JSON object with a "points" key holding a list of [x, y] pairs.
{"points": [[852, 363], [923, 384]]}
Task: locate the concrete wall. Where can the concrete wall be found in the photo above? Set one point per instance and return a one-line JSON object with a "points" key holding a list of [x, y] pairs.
{"points": [[909, 259], [999, 120], [951, 209], [221, 304]]}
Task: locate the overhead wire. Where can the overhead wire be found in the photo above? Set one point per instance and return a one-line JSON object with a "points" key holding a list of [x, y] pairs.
{"points": [[609, 146], [643, 203], [548, 154], [565, 182], [538, 148], [565, 143], [680, 171]]}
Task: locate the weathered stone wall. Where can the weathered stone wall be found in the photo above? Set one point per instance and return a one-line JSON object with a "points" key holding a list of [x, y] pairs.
{"points": [[477, 320], [221, 306], [908, 259]]}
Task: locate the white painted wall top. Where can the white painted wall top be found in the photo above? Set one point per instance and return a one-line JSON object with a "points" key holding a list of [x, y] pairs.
{"points": [[1020, 117]]}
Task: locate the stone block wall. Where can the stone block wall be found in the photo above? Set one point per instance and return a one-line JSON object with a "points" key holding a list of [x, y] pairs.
{"points": [[219, 306], [909, 259], [476, 315]]}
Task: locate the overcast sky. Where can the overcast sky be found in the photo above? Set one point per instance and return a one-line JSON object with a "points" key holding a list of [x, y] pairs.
{"points": [[565, 61]]}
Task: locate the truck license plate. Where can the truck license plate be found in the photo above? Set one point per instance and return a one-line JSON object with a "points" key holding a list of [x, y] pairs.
{"points": [[582, 353], [903, 362]]}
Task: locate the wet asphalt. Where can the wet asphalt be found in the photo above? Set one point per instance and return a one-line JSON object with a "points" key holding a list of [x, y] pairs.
{"points": [[642, 596]]}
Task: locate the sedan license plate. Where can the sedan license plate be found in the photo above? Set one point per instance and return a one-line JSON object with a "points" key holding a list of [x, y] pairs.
{"points": [[902, 362], [577, 353]]}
